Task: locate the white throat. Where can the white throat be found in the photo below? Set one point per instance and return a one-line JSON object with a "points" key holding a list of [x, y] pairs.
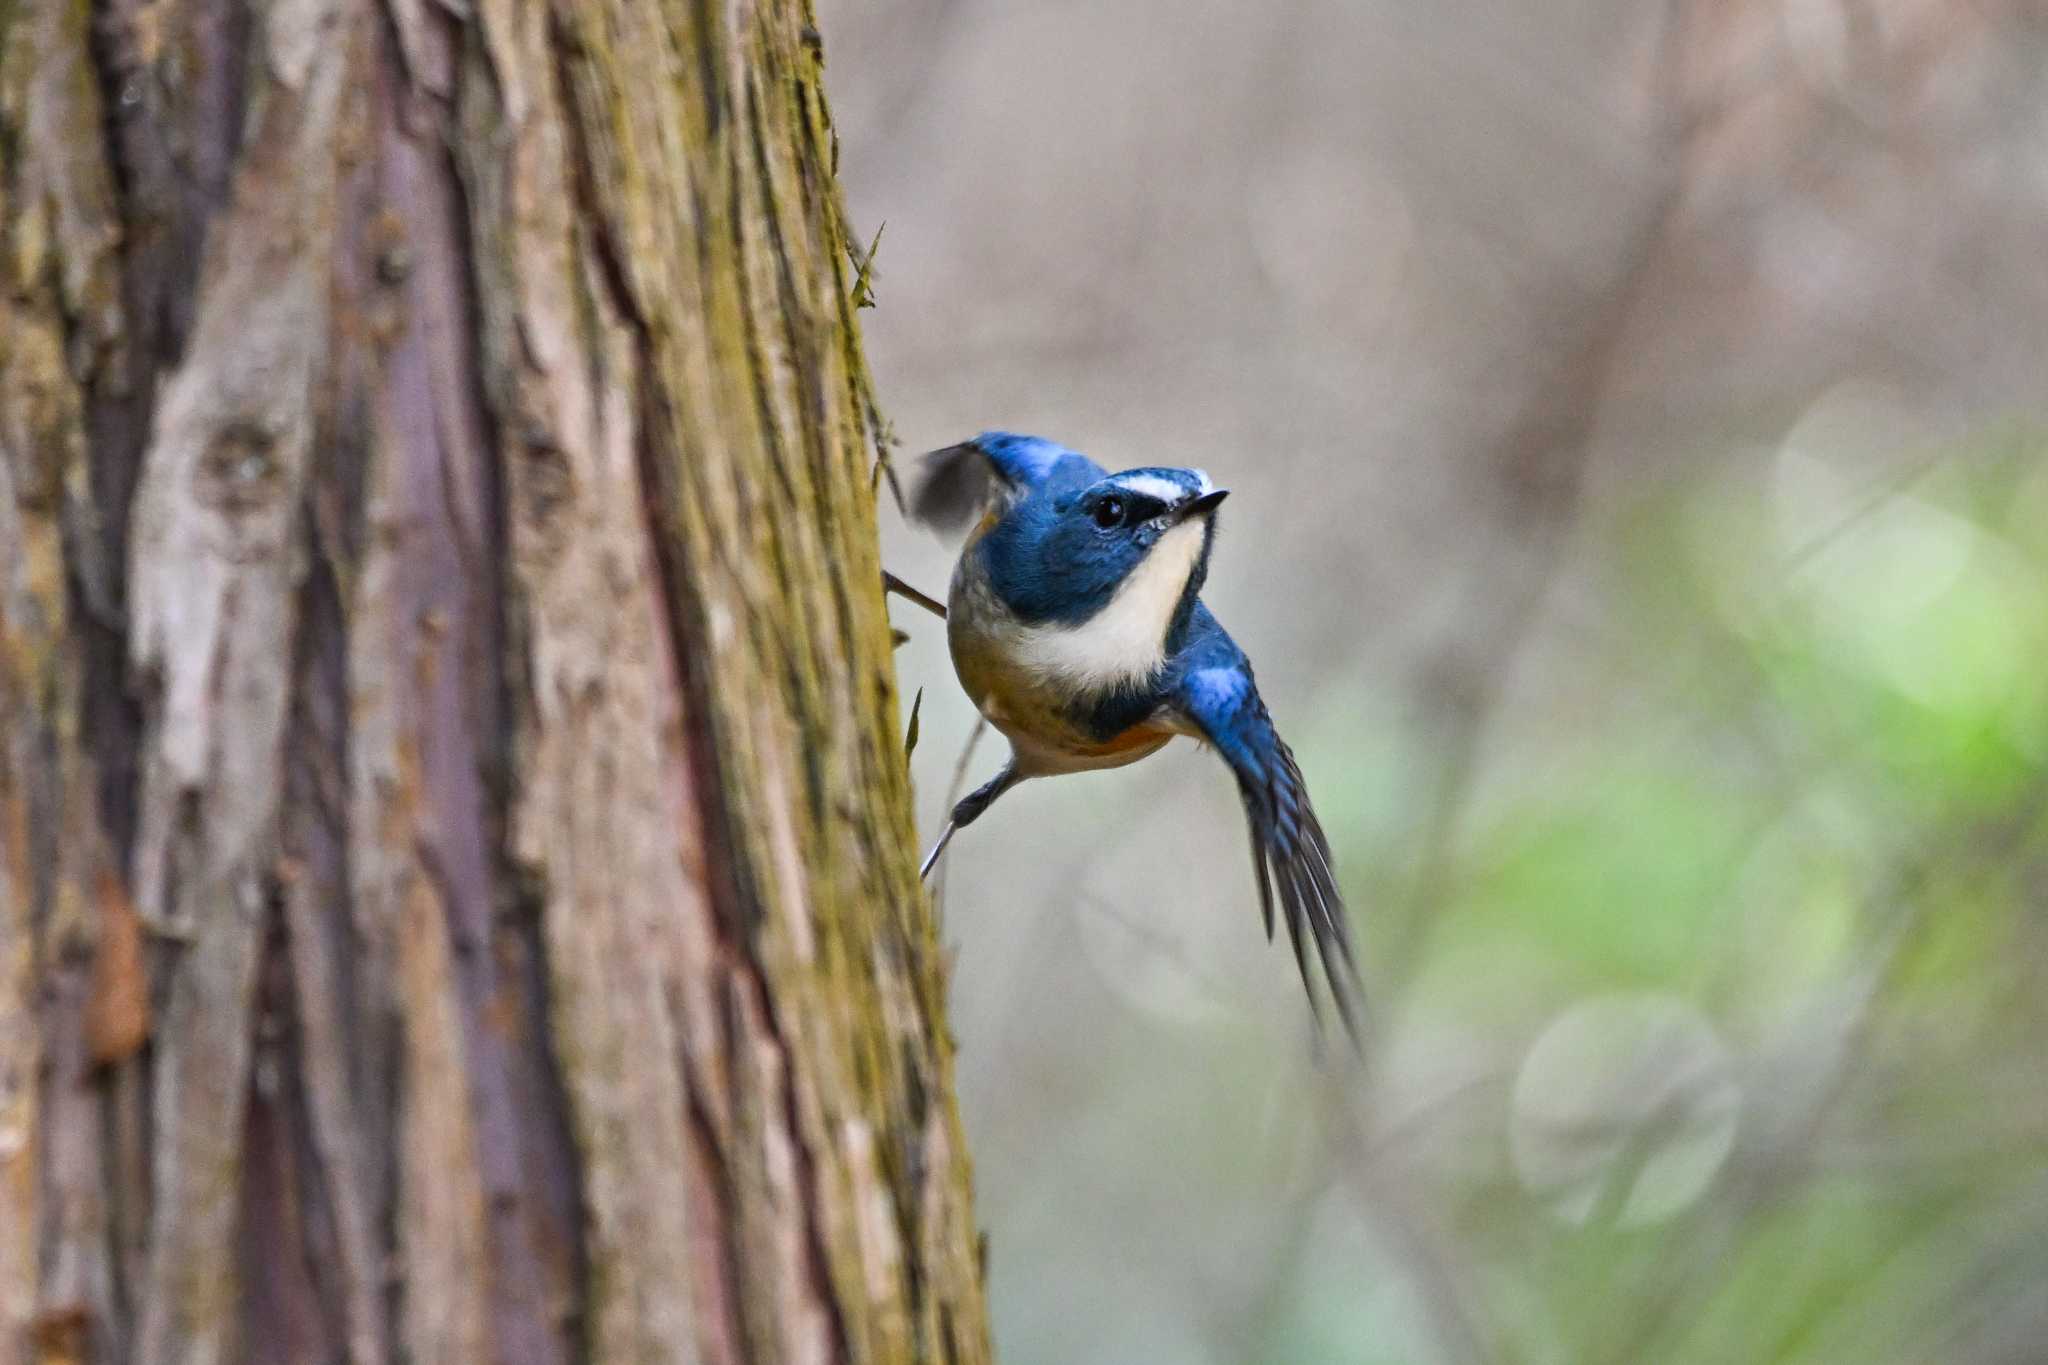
{"points": [[1125, 642]]}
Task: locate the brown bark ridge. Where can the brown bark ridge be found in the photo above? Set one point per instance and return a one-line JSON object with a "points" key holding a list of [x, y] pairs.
{"points": [[457, 898]]}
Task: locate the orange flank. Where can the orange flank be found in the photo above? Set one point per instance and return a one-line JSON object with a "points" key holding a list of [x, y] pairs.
{"points": [[1144, 736]]}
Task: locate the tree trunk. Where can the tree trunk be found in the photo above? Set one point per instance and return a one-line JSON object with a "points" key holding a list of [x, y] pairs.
{"points": [[457, 898]]}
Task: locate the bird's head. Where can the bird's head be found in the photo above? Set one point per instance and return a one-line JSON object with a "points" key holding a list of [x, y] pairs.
{"points": [[1143, 533], [1060, 540]]}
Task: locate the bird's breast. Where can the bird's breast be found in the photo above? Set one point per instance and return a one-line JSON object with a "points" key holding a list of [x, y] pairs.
{"points": [[1013, 672]]}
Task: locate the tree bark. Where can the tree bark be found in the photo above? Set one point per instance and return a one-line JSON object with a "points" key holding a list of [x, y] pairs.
{"points": [[457, 884]]}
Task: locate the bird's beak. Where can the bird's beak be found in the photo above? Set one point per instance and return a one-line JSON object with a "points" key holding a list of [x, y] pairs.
{"points": [[1202, 506]]}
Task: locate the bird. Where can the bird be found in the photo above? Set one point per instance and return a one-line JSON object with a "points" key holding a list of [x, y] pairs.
{"points": [[1076, 626]]}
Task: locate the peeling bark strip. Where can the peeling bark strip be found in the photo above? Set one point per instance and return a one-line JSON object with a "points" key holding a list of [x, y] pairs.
{"points": [[213, 575], [456, 899]]}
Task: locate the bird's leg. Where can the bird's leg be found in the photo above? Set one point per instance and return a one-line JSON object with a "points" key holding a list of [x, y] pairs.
{"points": [[970, 808], [945, 837], [891, 583]]}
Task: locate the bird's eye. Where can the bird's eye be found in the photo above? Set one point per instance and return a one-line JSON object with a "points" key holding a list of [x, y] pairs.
{"points": [[1109, 512]]}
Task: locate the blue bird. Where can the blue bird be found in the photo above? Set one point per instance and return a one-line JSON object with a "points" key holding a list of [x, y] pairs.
{"points": [[1076, 626]]}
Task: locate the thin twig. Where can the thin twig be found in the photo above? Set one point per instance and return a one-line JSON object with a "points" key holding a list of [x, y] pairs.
{"points": [[953, 795], [891, 583]]}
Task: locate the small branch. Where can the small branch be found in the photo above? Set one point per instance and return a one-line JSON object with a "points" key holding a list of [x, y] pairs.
{"points": [[891, 583], [953, 790], [864, 261]]}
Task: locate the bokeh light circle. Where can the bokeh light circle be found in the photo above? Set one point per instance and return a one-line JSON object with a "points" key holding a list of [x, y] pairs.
{"points": [[1624, 1110]]}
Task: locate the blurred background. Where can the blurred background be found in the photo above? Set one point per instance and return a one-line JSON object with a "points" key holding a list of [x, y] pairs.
{"points": [[1641, 529]]}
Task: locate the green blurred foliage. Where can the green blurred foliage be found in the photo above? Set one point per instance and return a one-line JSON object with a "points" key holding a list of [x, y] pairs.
{"points": [[1814, 833]]}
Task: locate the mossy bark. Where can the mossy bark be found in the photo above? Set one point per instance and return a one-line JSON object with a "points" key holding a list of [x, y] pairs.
{"points": [[457, 885]]}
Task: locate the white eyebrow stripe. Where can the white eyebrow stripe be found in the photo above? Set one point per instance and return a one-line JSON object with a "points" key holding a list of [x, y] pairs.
{"points": [[1152, 486]]}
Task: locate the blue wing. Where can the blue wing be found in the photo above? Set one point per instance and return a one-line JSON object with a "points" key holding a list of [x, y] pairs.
{"points": [[957, 482], [1213, 689]]}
